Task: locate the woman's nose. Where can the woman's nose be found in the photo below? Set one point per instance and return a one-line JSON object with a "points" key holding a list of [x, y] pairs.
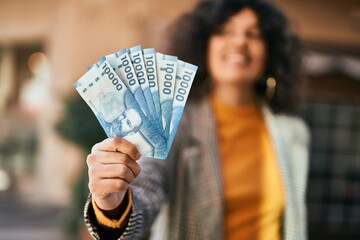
{"points": [[239, 39]]}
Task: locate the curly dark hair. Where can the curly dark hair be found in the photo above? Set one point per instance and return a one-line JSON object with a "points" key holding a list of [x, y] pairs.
{"points": [[190, 34]]}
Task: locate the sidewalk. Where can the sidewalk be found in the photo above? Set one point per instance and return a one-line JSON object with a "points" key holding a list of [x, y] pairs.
{"points": [[19, 220]]}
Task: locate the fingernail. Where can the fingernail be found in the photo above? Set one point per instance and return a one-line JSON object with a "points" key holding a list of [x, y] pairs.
{"points": [[138, 155]]}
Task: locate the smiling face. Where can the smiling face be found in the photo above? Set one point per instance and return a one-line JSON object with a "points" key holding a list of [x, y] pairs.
{"points": [[237, 51]]}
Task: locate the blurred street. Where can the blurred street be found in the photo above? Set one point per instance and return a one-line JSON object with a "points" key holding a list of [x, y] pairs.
{"points": [[23, 221]]}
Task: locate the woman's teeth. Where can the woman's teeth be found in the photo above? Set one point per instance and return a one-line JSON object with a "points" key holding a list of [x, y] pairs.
{"points": [[235, 58]]}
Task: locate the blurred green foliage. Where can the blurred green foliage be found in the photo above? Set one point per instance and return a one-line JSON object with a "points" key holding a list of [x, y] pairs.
{"points": [[80, 126]]}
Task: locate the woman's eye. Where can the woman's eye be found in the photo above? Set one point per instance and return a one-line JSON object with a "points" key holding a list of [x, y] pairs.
{"points": [[223, 31], [227, 31], [255, 34]]}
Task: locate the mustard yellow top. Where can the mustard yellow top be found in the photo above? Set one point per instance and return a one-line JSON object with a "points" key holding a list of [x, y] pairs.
{"points": [[253, 192], [107, 222]]}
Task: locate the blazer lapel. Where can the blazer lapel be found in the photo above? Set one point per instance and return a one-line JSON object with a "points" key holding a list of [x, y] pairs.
{"points": [[208, 174], [283, 156]]}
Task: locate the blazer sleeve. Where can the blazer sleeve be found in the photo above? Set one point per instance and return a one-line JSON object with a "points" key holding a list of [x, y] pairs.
{"points": [[149, 191], [298, 136], [300, 153]]}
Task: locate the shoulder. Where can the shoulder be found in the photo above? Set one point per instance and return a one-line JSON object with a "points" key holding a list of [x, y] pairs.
{"points": [[292, 127], [194, 106], [193, 111], [295, 128]]}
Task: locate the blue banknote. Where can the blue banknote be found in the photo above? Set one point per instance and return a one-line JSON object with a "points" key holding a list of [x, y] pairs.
{"points": [[140, 95], [137, 59], [184, 78], [121, 64], [150, 65], [84, 87], [166, 69], [117, 110]]}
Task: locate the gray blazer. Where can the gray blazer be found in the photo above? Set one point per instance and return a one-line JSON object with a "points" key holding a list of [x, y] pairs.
{"points": [[189, 181]]}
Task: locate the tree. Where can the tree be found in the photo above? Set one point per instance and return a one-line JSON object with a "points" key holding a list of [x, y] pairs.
{"points": [[80, 126]]}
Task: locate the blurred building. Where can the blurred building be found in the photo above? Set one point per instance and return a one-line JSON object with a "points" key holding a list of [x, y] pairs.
{"points": [[331, 33], [46, 45]]}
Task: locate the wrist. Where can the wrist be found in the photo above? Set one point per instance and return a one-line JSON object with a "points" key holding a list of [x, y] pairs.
{"points": [[117, 218], [110, 203], [118, 211]]}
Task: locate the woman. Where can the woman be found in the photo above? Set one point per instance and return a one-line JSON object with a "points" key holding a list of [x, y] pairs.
{"points": [[237, 168]]}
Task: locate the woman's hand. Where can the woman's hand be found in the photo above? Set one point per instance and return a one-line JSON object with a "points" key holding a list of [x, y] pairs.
{"points": [[112, 167]]}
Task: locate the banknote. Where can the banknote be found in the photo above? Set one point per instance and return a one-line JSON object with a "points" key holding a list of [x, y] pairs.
{"points": [[135, 118], [150, 65], [140, 95], [89, 90], [119, 113], [166, 69], [121, 64], [137, 59], [185, 75], [83, 86]]}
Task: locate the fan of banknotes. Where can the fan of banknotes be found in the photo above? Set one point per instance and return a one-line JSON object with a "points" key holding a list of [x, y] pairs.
{"points": [[139, 94]]}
